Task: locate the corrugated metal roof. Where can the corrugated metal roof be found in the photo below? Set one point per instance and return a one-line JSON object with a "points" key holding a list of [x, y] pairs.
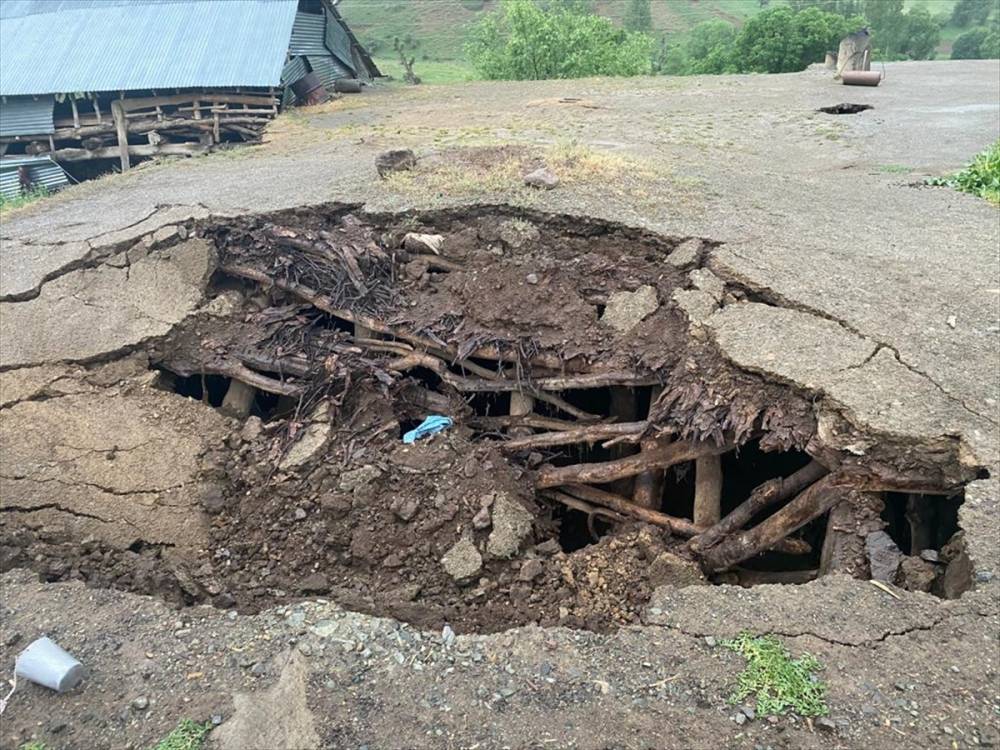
{"points": [[43, 172], [25, 115], [110, 45], [338, 42], [294, 69], [328, 68], [308, 35]]}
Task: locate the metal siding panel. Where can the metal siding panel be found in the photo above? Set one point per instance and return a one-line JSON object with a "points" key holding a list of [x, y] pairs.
{"points": [[93, 46], [294, 69], [307, 35], [26, 116], [338, 42], [328, 68], [42, 169]]}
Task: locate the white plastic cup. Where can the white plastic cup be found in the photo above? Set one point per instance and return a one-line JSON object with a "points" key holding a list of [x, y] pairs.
{"points": [[44, 662]]}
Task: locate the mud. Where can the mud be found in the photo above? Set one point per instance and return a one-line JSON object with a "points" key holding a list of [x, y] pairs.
{"points": [[310, 491]]}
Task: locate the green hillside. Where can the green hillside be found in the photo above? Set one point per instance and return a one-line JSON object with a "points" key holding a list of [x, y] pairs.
{"points": [[434, 31]]}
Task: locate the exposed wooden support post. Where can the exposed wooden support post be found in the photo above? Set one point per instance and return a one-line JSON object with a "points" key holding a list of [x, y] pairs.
{"points": [[121, 128], [97, 109], [76, 112], [707, 490], [848, 525], [238, 400], [623, 409], [648, 490], [521, 404]]}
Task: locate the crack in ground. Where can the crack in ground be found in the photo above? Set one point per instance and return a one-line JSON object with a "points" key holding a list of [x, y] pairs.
{"points": [[774, 299], [866, 643], [94, 485], [7, 508]]}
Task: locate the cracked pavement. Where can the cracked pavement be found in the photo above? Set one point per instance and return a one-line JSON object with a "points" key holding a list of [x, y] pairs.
{"points": [[871, 291]]}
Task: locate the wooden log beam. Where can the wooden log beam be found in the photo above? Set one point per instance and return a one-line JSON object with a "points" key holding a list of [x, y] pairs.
{"points": [[681, 527], [763, 496], [677, 526], [662, 457], [131, 105], [529, 420], [164, 149], [809, 504], [707, 490], [585, 434]]}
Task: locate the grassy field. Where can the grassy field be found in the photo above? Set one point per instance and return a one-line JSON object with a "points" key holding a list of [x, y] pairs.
{"points": [[434, 31]]}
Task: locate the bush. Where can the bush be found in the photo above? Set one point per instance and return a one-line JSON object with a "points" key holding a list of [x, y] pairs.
{"points": [[521, 41], [971, 12]]}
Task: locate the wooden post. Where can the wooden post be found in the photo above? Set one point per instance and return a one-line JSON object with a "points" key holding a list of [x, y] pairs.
{"points": [[121, 128], [76, 113], [648, 490], [238, 400], [707, 490], [521, 404], [97, 109], [623, 409], [848, 525]]}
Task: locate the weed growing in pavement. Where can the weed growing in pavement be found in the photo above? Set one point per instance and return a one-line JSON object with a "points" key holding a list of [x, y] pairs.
{"points": [[33, 746], [187, 735], [981, 177], [8, 204], [780, 682]]}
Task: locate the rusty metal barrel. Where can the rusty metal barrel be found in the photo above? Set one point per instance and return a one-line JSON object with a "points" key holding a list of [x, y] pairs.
{"points": [[309, 89], [861, 77]]}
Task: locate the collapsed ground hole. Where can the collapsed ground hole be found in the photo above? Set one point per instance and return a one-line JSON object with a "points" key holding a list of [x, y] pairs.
{"points": [[845, 108], [598, 449]]}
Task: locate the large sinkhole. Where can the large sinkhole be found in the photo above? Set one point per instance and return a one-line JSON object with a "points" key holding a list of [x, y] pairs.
{"points": [[596, 448]]}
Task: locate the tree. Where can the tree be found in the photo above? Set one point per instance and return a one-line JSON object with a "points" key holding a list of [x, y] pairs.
{"points": [[885, 18], [781, 41], [971, 12], [638, 16], [922, 35], [976, 44], [522, 41], [709, 48]]}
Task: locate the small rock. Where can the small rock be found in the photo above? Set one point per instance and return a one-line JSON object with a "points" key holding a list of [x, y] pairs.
{"points": [[916, 574], [258, 669], [740, 718], [530, 570], [884, 556], [930, 555], [772, 720], [12, 638], [749, 712], [216, 719], [669, 569], [357, 478], [57, 727], [710, 641], [952, 321], [314, 584], [405, 508], [825, 724], [543, 179], [984, 576], [463, 560], [511, 525], [548, 548], [309, 443], [397, 160], [625, 310], [296, 619], [685, 254], [423, 244], [141, 703], [252, 429], [482, 519], [300, 514], [305, 649], [531, 278], [213, 499], [447, 636]]}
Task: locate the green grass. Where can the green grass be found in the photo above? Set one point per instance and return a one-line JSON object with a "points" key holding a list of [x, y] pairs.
{"points": [[33, 746], [429, 71], [8, 204], [187, 735], [780, 682], [981, 177]]}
